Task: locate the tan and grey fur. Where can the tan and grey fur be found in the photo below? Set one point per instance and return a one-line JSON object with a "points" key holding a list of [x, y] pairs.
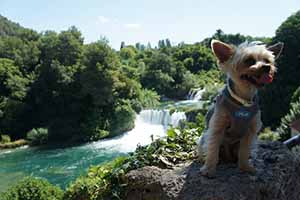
{"points": [[251, 59]]}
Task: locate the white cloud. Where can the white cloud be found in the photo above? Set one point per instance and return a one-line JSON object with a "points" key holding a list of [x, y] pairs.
{"points": [[132, 26], [103, 19]]}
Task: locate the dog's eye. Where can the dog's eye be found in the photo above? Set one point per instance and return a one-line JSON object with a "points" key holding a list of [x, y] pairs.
{"points": [[250, 61], [267, 60]]}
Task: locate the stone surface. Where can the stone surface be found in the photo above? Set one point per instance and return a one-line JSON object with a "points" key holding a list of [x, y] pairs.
{"points": [[277, 178]]}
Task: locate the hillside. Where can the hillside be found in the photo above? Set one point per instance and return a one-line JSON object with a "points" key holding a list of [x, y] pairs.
{"points": [[9, 28]]}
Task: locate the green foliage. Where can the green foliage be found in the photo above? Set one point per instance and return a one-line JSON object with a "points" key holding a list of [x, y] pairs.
{"points": [[235, 39], [296, 95], [123, 118], [269, 135], [294, 114], [178, 146], [107, 181], [38, 136], [196, 119], [127, 53], [12, 82], [212, 78], [8, 27], [167, 76], [33, 189], [5, 138], [149, 98], [278, 95], [83, 92], [100, 182], [13, 88], [195, 57]]}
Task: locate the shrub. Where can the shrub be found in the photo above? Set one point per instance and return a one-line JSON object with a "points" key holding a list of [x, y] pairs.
{"points": [[38, 136], [5, 139], [99, 182], [149, 98], [284, 128], [107, 181], [269, 135], [296, 95], [123, 118], [33, 189]]}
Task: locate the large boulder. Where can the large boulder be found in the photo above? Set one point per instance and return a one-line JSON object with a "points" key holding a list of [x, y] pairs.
{"points": [[277, 178]]}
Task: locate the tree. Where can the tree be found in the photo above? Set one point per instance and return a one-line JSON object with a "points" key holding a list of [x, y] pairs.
{"points": [[195, 57], [161, 44], [69, 46], [278, 95], [13, 88], [168, 43], [149, 45], [12, 82], [127, 53], [122, 45]]}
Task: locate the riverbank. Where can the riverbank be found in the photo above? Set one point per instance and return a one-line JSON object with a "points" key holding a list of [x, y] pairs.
{"points": [[14, 144], [61, 165]]}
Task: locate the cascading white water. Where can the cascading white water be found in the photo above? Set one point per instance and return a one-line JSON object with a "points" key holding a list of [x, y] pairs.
{"points": [[62, 165], [196, 94], [148, 124], [162, 117]]}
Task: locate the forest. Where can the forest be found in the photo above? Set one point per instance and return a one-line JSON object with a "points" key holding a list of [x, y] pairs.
{"points": [[54, 88]]}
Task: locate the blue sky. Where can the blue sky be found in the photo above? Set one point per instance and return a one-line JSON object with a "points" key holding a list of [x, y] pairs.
{"points": [[150, 20]]}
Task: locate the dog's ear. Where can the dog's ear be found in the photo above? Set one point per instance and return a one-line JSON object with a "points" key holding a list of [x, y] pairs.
{"points": [[222, 50], [276, 49]]}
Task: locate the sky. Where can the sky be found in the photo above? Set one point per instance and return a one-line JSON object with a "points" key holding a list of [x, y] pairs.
{"points": [[146, 21]]}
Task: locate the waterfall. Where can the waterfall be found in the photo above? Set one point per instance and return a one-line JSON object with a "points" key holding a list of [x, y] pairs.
{"points": [[149, 123], [196, 94], [162, 117]]}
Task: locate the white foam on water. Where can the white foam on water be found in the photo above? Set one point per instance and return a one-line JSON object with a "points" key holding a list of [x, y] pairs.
{"points": [[196, 94], [148, 124]]}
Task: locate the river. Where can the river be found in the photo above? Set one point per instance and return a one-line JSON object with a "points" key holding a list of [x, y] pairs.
{"points": [[60, 166]]}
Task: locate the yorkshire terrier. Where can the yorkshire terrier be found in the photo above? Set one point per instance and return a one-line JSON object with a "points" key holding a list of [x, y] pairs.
{"points": [[234, 121]]}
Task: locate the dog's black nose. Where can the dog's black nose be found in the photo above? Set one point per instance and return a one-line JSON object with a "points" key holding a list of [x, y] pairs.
{"points": [[266, 68]]}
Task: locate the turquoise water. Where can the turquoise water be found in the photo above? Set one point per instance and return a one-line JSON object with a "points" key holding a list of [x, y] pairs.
{"points": [[59, 166]]}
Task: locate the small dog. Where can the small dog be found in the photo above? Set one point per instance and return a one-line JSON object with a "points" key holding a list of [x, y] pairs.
{"points": [[234, 120]]}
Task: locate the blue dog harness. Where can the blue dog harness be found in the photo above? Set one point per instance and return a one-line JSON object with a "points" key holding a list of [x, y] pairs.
{"points": [[240, 115]]}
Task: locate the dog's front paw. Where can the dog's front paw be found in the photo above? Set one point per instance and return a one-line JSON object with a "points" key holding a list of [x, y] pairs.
{"points": [[208, 172], [247, 168]]}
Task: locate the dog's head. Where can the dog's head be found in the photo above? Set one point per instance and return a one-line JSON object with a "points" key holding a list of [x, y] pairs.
{"points": [[249, 64]]}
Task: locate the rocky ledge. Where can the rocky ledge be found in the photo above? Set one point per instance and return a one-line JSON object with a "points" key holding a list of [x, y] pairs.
{"points": [[277, 178]]}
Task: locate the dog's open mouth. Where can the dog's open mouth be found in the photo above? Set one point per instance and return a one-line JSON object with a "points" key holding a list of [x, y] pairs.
{"points": [[258, 80]]}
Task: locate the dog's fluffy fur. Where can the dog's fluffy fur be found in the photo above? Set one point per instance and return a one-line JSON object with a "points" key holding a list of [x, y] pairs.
{"points": [[246, 66]]}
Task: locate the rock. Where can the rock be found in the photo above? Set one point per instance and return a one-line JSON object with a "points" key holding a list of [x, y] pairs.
{"points": [[277, 178]]}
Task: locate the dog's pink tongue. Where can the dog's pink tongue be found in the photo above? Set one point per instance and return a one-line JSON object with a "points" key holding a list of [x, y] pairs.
{"points": [[266, 78]]}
